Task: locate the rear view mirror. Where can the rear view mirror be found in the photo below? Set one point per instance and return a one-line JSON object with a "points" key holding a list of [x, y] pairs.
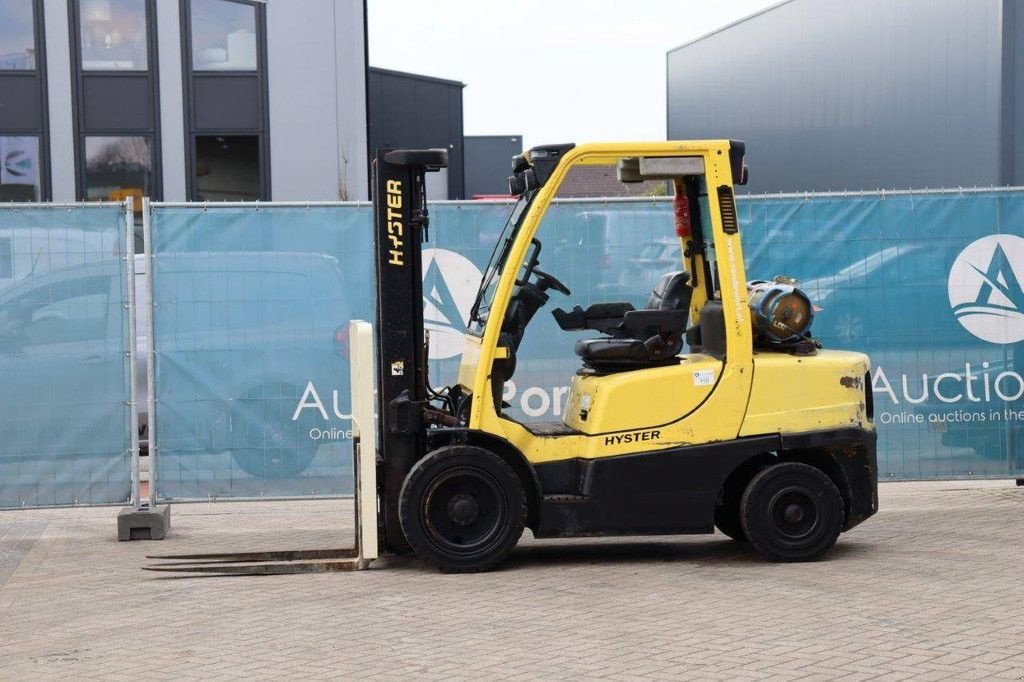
{"points": [[523, 181]]}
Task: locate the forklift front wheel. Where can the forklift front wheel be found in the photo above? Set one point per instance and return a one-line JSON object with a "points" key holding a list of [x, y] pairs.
{"points": [[792, 512], [462, 508]]}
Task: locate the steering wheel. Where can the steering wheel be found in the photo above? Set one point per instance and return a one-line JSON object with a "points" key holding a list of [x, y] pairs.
{"points": [[546, 281]]}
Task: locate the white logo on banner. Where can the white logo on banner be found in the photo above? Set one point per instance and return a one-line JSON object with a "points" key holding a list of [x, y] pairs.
{"points": [[450, 283], [985, 290]]}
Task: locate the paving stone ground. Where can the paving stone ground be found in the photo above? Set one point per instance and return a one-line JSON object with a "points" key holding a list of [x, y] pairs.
{"points": [[930, 588]]}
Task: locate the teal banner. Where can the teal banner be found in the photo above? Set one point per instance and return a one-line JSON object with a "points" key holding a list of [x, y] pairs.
{"points": [[928, 285], [65, 435]]}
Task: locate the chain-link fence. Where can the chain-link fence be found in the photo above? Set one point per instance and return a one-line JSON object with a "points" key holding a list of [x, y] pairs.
{"points": [[248, 394], [66, 355]]}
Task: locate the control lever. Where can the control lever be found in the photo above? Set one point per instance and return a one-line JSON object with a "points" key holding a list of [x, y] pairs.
{"points": [[573, 321]]}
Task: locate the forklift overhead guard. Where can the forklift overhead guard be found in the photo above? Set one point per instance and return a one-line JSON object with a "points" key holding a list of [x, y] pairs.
{"points": [[428, 159]]}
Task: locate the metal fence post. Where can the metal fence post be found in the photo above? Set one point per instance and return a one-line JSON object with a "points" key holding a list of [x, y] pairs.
{"points": [[130, 340], [147, 250]]}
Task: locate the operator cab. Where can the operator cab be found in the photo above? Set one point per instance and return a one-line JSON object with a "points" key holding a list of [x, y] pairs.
{"points": [[635, 307]]}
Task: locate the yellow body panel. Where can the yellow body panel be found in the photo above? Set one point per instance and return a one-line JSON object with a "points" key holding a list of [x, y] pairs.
{"points": [[717, 418], [657, 396], [799, 394]]}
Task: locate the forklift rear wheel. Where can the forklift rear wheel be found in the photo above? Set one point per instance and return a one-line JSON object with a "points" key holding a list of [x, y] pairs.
{"points": [[462, 508], [727, 508], [792, 512]]}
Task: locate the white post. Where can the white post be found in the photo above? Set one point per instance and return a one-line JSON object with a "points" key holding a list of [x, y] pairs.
{"points": [[364, 430]]}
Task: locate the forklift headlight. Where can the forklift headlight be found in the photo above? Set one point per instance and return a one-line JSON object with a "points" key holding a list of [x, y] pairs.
{"points": [[519, 163]]}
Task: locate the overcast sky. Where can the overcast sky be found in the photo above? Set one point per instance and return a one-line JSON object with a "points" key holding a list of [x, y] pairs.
{"points": [[550, 70]]}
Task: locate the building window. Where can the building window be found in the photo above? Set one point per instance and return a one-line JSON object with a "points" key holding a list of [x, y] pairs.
{"points": [[223, 36], [116, 100], [118, 167], [23, 110], [227, 168], [17, 35], [20, 177], [114, 35], [226, 100]]}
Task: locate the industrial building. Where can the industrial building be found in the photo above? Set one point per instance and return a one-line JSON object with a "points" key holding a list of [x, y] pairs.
{"points": [[488, 162], [414, 111], [182, 100], [866, 95]]}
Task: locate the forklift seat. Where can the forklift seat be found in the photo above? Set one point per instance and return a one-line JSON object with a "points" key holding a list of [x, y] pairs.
{"points": [[636, 338]]}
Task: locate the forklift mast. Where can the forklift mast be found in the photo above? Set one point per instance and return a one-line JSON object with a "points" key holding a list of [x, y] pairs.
{"points": [[400, 226]]}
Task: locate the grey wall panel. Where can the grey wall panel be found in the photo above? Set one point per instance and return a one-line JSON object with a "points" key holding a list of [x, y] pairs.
{"points": [[226, 102], [314, 113], [489, 162], [1013, 99], [303, 114], [456, 146], [854, 95], [117, 103], [58, 84], [19, 101], [350, 85], [172, 116], [408, 110]]}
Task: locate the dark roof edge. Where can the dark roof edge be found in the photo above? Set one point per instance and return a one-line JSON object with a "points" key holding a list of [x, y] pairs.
{"points": [[730, 25], [415, 76], [495, 137]]}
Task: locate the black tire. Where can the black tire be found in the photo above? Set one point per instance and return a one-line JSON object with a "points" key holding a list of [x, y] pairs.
{"points": [[727, 513], [462, 508], [792, 512]]}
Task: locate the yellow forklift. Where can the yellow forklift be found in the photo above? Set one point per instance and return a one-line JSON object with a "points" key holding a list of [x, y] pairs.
{"points": [[754, 429]]}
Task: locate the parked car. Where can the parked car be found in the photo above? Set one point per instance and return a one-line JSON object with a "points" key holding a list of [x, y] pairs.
{"points": [[241, 338], [28, 251], [992, 428], [891, 297], [62, 336]]}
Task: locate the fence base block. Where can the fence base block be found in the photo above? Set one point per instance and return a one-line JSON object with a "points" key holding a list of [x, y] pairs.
{"points": [[143, 524]]}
